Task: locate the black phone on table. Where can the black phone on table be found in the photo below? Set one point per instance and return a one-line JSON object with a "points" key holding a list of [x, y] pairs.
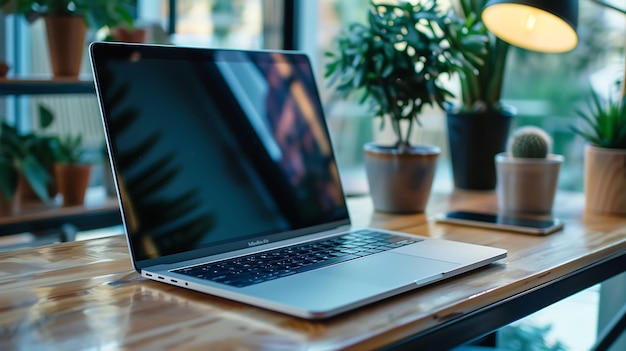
{"points": [[502, 222]]}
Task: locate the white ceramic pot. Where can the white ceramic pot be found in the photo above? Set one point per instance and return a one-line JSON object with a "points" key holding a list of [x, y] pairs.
{"points": [[526, 185]]}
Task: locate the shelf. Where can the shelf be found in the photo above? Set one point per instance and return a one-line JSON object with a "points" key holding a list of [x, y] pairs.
{"points": [[39, 86], [98, 211]]}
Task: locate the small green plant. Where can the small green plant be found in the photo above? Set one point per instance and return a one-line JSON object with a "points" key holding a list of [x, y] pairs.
{"points": [[482, 67], [396, 60], [70, 150], [29, 154], [606, 122], [97, 13], [22, 154], [530, 142]]}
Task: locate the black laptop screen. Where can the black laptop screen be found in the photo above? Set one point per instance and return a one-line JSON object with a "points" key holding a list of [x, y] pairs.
{"points": [[215, 149]]}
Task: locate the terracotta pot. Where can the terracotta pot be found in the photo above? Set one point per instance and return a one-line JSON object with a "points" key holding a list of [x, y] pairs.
{"points": [[605, 180], [66, 41], [526, 185], [136, 35], [9, 206], [26, 192], [72, 182], [400, 182]]}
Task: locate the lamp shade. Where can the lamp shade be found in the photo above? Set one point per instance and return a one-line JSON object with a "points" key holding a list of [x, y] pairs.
{"points": [[538, 25]]}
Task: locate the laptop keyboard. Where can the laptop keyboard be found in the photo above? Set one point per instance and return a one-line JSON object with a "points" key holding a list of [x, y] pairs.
{"points": [[261, 267]]}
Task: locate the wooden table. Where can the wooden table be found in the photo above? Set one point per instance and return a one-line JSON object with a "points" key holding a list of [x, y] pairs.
{"points": [[80, 295]]}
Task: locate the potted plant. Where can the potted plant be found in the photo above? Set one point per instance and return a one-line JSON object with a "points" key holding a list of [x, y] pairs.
{"points": [[71, 171], [605, 155], [66, 25], [527, 174], [478, 127], [25, 164], [396, 60]]}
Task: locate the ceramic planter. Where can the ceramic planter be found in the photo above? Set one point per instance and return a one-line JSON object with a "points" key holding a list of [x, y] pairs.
{"points": [[72, 182], [66, 41], [135, 35], [24, 194], [474, 139], [526, 185], [400, 182], [605, 180], [27, 193], [9, 206]]}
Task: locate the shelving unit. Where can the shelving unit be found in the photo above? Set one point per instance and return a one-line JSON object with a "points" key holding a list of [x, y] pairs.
{"points": [[52, 218], [40, 86]]}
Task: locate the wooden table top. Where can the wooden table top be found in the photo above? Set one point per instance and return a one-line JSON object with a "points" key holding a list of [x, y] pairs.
{"points": [[80, 295]]}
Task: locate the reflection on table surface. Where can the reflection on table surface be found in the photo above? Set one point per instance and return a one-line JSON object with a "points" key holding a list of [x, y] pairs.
{"points": [[50, 222], [80, 295]]}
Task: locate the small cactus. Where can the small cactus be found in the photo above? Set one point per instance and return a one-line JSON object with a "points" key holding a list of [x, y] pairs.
{"points": [[530, 142]]}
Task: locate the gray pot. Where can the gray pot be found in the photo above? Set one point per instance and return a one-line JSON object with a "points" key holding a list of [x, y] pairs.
{"points": [[400, 182], [526, 185]]}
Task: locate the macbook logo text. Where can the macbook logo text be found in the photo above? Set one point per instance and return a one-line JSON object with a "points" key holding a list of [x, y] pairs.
{"points": [[258, 242]]}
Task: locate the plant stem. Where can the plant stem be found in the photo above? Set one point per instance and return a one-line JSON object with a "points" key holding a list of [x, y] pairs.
{"points": [[409, 130], [395, 122], [494, 89]]}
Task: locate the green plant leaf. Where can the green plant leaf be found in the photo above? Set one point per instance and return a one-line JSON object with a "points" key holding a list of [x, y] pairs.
{"points": [[46, 117], [606, 122], [36, 175]]}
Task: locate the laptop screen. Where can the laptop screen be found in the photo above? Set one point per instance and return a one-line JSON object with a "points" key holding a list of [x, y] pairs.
{"points": [[215, 150]]}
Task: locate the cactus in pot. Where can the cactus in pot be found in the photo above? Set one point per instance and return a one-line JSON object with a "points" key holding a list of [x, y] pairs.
{"points": [[527, 174], [530, 142]]}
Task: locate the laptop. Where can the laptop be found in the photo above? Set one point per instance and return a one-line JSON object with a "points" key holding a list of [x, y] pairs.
{"points": [[228, 184]]}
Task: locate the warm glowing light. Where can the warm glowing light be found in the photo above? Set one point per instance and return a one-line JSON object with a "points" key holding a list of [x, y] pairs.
{"points": [[530, 22], [529, 27]]}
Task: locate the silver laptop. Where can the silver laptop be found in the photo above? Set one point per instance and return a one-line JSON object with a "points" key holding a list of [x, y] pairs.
{"points": [[228, 184]]}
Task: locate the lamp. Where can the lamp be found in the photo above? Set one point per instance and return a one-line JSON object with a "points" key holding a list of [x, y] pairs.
{"points": [[538, 25]]}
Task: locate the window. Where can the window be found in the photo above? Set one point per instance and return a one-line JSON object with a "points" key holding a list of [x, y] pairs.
{"points": [[243, 24], [546, 89]]}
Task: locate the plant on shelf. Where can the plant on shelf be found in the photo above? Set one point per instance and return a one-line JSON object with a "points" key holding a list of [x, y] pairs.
{"points": [[478, 127], [66, 25], [70, 150], [26, 161], [605, 154], [527, 174], [396, 60], [97, 13], [71, 170]]}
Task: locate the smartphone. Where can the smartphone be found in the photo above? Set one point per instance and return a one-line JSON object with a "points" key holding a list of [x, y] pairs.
{"points": [[494, 221]]}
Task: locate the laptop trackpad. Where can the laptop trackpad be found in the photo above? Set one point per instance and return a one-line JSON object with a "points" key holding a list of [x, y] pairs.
{"points": [[334, 286]]}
